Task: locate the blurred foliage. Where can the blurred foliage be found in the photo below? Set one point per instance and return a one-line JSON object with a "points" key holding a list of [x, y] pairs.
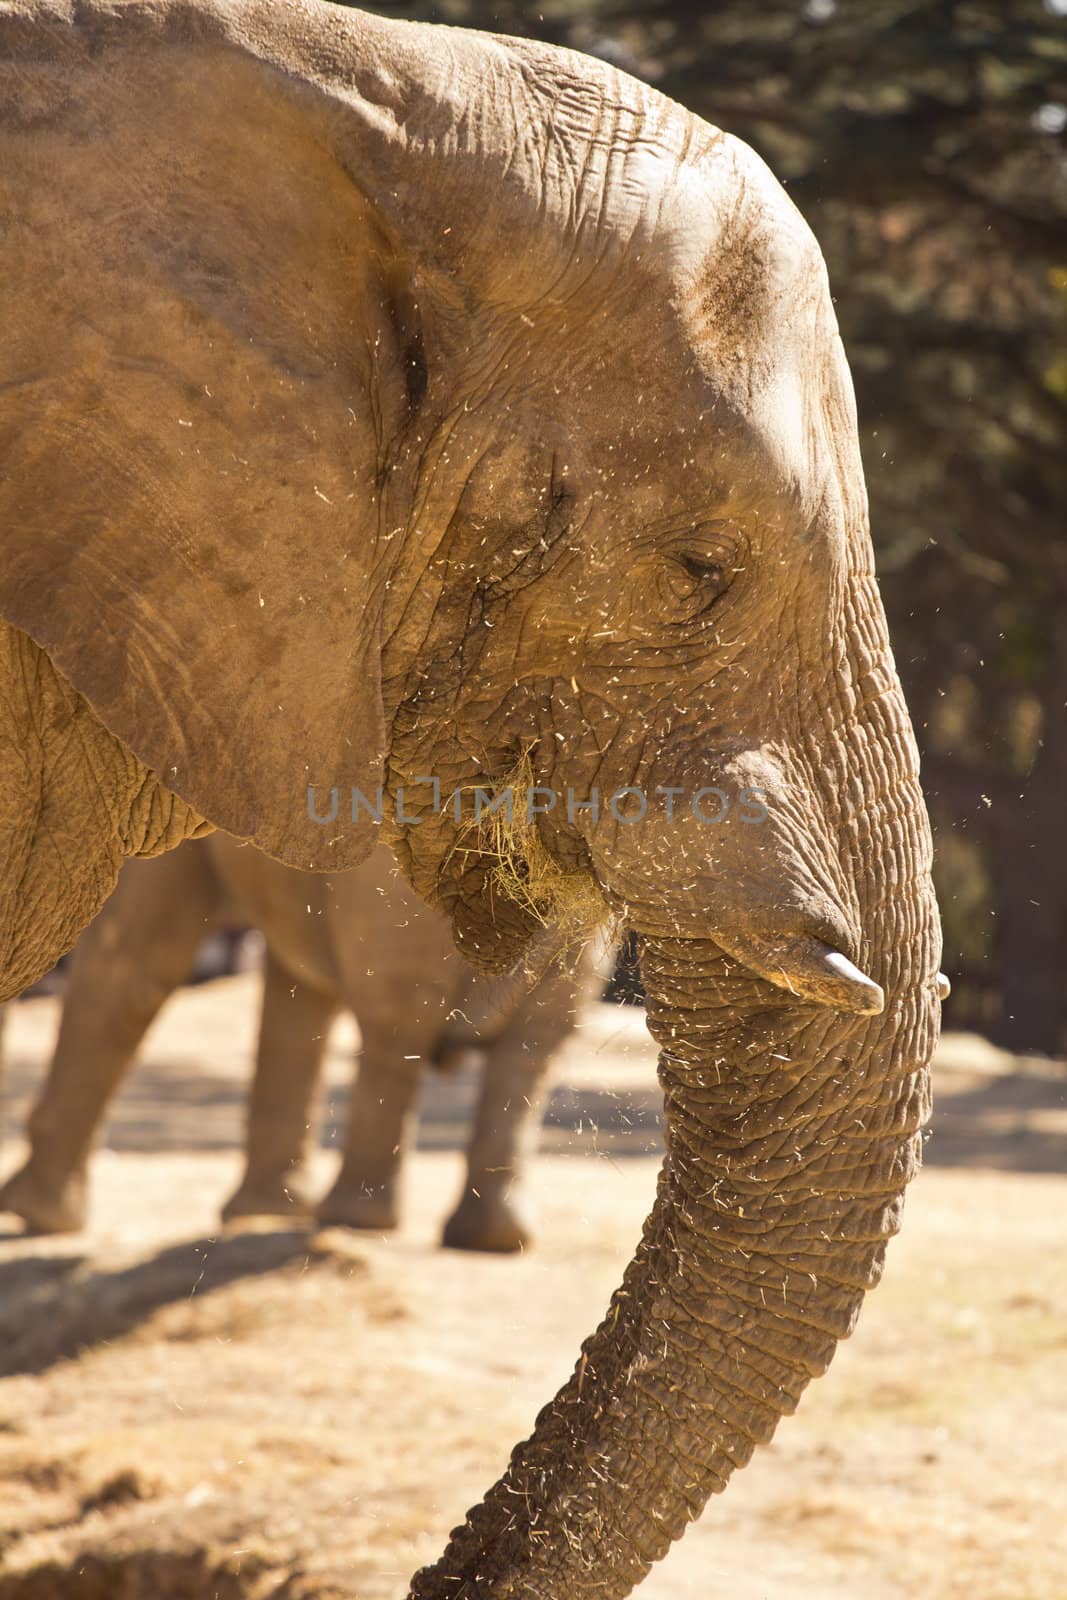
{"points": [[926, 143]]}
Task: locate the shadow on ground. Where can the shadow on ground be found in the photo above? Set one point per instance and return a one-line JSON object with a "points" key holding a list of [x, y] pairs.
{"points": [[1014, 1122], [54, 1307], [167, 1106], [986, 1115], [150, 1575]]}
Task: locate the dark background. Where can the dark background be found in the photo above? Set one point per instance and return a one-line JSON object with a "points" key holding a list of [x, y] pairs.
{"points": [[926, 143]]}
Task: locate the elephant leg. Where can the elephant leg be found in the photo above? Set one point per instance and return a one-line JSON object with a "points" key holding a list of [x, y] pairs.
{"points": [[381, 1125], [490, 1214], [127, 963], [294, 1026]]}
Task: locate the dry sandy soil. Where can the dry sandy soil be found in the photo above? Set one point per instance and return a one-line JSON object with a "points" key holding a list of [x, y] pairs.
{"points": [[189, 1415]]}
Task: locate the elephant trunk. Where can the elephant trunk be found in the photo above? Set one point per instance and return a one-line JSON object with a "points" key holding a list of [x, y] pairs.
{"points": [[792, 1131], [788, 1150]]}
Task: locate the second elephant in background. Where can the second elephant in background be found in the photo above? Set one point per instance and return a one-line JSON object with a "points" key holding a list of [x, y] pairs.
{"points": [[361, 940]]}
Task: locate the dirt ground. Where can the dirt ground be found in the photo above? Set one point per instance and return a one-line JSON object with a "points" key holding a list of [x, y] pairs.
{"points": [[194, 1415]]}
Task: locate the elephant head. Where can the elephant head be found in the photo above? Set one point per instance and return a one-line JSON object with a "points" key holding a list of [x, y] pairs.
{"points": [[419, 408]]}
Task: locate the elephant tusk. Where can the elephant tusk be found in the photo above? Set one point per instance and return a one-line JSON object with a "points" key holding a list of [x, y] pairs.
{"points": [[944, 988], [858, 993], [809, 969]]}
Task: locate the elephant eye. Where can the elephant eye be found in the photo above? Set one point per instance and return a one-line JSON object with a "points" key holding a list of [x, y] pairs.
{"points": [[710, 573], [692, 573], [705, 580]]}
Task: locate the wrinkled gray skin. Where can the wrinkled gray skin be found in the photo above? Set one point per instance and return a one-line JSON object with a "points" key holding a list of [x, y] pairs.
{"points": [[362, 940], [379, 401]]}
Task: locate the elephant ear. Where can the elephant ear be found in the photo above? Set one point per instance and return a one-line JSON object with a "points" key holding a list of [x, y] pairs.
{"points": [[198, 391]]}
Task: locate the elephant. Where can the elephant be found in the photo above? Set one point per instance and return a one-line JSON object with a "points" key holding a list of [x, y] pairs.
{"points": [[362, 940], [416, 436]]}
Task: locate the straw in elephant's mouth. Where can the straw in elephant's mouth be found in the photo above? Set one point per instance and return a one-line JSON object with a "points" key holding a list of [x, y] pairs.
{"points": [[524, 872]]}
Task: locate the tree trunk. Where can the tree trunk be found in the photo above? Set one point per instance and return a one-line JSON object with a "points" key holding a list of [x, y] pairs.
{"points": [[1030, 878]]}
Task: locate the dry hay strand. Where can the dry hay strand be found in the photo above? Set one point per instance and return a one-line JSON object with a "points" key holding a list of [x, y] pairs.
{"points": [[524, 872]]}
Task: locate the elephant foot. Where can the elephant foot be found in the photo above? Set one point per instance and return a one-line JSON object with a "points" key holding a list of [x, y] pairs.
{"points": [[359, 1205], [46, 1207], [490, 1222], [280, 1195]]}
